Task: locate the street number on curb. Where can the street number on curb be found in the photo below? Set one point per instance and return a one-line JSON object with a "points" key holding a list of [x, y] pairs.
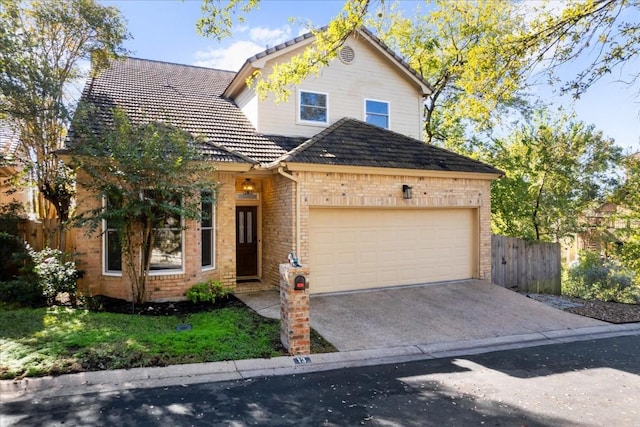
{"points": [[301, 360]]}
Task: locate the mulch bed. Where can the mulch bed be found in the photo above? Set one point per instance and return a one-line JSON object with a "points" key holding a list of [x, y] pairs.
{"points": [[178, 308], [612, 312]]}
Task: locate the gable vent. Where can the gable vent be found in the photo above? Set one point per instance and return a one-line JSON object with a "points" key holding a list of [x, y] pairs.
{"points": [[347, 54]]}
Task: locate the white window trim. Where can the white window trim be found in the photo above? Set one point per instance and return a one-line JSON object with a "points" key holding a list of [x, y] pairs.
{"points": [[116, 273], [105, 272], [364, 110], [214, 227], [298, 109]]}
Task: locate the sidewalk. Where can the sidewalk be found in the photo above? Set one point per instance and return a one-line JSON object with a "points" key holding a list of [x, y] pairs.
{"points": [[183, 375]]}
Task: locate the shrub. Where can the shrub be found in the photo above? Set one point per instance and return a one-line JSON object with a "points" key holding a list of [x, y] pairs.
{"points": [[10, 216], [25, 291], [602, 279], [13, 256], [55, 273], [207, 292]]}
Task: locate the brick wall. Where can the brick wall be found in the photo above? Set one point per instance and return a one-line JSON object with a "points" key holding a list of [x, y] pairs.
{"points": [[278, 225], [164, 287]]}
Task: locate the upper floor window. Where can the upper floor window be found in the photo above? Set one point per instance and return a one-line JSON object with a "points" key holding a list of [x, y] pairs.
{"points": [[207, 234], [312, 107], [377, 113]]}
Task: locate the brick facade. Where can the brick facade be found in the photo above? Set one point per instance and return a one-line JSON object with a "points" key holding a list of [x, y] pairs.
{"points": [[278, 225], [162, 287], [277, 230], [329, 189]]}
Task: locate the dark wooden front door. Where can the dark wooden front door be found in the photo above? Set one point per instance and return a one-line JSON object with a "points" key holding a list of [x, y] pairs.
{"points": [[246, 241]]}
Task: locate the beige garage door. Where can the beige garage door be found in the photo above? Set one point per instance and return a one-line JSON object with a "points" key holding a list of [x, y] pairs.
{"points": [[368, 248]]}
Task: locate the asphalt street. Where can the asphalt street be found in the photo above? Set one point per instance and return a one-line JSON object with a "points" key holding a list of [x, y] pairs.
{"points": [[585, 383]]}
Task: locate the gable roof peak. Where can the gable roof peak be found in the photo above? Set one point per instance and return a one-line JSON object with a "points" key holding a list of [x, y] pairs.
{"points": [[258, 60]]}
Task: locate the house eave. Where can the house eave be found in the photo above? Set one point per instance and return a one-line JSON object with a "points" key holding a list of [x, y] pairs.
{"points": [[369, 170], [252, 65]]}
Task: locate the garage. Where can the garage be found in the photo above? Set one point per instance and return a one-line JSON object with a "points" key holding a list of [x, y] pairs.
{"points": [[351, 249]]}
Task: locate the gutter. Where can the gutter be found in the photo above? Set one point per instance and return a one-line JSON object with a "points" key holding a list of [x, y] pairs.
{"points": [[297, 186]]}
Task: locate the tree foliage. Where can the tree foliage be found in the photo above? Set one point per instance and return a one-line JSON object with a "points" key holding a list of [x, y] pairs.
{"points": [[604, 34], [218, 20], [476, 54], [463, 50], [218, 16], [149, 174], [555, 168], [627, 197], [43, 44]]}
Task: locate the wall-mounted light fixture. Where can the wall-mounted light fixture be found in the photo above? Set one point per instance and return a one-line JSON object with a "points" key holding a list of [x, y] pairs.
{"points": [[248, 186], [406, 191]]}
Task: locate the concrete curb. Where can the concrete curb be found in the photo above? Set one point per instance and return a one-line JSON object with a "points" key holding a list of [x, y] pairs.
{"points": [[183, 375]]}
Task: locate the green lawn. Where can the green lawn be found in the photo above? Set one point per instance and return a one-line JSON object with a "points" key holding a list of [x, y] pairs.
{"points": [[55, 340]]}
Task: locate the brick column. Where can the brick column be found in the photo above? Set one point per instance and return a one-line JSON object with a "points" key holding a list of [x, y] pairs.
{"points": [[294, 311]]}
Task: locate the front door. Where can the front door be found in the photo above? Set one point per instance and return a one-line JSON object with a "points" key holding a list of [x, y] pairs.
{"points": [[246, 241]]}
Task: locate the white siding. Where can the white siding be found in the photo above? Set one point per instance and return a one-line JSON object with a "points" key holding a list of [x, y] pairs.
{"points": [[248, 103], [370, 75]]}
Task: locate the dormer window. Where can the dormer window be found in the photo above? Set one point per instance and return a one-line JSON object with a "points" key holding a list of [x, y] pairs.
{"points": [[377, 113], [312, 107]]}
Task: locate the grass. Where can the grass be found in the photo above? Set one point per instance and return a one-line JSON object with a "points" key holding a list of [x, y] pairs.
{"points": [[56, 340]]}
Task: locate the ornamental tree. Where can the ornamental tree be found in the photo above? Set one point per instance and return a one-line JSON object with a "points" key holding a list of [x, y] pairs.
{"points": [[145, 177]]}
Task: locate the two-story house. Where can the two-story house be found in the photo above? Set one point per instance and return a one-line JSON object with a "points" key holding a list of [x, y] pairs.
{"points": [[339, 174]]}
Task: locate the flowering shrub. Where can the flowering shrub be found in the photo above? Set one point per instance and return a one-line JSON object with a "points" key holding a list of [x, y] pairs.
{"points": [[602, 279], [55, 273]]}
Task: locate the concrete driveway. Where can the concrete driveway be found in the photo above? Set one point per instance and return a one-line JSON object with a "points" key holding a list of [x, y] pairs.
{"points": [[426, 314]]}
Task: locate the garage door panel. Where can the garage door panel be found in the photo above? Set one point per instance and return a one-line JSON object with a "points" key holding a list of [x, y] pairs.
{"points": [[368, 248]]}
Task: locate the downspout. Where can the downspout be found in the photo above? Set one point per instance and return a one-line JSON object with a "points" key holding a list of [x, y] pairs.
{"points": [[297, 181]]}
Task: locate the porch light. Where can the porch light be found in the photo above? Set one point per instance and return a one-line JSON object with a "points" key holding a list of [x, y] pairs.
{"points": [[248, 186], [406, 191]]}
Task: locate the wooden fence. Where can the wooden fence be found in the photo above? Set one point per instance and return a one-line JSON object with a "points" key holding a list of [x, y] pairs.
{"points": [[45, 232], [526, 266]]}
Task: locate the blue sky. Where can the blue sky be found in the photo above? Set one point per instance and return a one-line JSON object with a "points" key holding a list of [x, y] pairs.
{"points": [[164, 30]]}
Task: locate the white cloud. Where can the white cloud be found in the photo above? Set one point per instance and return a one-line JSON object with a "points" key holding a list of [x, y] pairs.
{"points": [[230, 58], [234, 56], [270, 37]]}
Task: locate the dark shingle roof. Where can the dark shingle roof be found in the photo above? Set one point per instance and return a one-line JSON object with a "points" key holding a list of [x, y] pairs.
{"points": [[350, 142], [190, 98], [184, 96]]}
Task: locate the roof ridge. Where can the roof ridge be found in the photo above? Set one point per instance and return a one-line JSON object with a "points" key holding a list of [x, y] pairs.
{"points": [[175, 63], [311, 141]]}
